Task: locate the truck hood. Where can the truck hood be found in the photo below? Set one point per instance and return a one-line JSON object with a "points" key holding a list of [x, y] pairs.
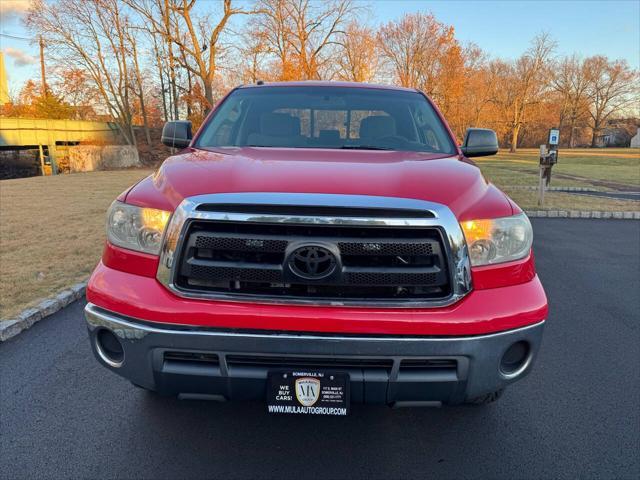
{"points": [[433, 177]]}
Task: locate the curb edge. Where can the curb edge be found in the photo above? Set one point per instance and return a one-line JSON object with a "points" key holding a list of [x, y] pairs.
{"points": [[27, 318], [582, 214]]}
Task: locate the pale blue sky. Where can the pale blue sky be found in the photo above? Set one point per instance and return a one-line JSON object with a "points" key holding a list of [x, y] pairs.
{"points": [[502, 28]]}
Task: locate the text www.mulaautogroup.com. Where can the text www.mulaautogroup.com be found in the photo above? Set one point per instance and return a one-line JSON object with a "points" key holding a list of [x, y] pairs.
{"points": [[307, 410]]}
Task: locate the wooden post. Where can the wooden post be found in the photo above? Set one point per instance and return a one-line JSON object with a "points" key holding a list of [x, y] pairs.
{"points": [[543, 155], [41, 152], [541, 187]]}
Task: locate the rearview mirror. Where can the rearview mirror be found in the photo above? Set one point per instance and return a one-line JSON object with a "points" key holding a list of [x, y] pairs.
{"points": [[479, 142], [177, 134]]}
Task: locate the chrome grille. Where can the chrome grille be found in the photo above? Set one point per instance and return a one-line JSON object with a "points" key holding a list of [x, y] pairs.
{"points": [[240, 258], [385, 251]]}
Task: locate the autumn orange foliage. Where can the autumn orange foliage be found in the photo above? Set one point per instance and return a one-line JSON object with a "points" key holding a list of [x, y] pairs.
{"points": [[147, 62]]}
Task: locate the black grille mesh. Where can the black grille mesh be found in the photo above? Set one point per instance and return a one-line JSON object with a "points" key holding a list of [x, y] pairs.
{"points": [[206, 273], [377, 278], [380, 263], [378, 248], [243, 244]]}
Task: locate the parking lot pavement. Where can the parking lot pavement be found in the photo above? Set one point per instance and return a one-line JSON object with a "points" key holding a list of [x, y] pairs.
{"points": [[576, 415]]}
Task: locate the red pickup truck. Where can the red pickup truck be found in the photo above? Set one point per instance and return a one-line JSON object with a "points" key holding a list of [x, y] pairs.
{"points": [[314, 245]]}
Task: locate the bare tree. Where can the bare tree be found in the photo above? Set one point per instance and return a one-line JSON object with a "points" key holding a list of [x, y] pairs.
{"points": [[611, 86], [91, 34], [203, 48], [166, 31], [479, 85], [570, 82], [198, 38], [158, 62], [76, 88], [358, 59], [315, 30], [472, 92], [303, 34], [424, 54], [414, 46], [107, 48], [522, 83], [159, 21], [273, 25], [129, 35], [253, 53]]}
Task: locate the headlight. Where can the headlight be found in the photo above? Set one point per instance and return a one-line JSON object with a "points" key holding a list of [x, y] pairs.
{"points": [[498, 240], [136, 228]]}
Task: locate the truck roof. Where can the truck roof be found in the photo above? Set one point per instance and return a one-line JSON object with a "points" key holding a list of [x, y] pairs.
{"points": [[326, 83]]}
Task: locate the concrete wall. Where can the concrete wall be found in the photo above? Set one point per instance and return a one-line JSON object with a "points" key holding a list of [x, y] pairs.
{"points": [[33, 132], [87, 158]]}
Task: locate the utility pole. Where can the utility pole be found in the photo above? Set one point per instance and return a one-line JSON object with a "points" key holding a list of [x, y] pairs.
{"points": [[44, 80]]}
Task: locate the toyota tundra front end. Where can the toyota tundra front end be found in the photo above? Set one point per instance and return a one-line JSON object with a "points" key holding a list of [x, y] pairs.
{"points": [[315, 245]]}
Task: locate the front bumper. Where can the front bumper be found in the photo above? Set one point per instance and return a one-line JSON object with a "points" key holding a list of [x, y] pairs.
{"points": [[383, 369], [483, 311]]}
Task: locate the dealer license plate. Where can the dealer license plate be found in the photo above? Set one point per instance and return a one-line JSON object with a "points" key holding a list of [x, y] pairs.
{"points": [[308, 393]]}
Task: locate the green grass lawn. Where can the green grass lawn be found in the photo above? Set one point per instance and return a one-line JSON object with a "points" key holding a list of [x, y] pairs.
{"points": [[52, 232], [603, 169], [600, 169]]}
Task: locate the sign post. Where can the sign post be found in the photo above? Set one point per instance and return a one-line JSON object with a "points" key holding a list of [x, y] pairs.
{"points": [[548, 158]]}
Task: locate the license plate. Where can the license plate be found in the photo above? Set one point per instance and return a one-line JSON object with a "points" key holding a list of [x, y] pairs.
{"points": [[308, 393]]}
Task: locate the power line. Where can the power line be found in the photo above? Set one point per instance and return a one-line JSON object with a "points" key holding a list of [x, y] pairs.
{"points": [[15, 37]]}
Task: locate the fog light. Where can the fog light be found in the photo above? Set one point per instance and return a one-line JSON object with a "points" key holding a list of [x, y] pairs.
{"points": [[109, 348], [516, 359]]}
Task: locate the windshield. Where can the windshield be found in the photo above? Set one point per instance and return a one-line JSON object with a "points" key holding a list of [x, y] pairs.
{"points": [[327, 117]]}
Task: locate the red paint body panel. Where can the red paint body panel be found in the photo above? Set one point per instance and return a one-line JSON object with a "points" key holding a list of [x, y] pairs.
{"points": [[505, 296], [503, 275], [129, 261], [431, 177], [482, 311]]}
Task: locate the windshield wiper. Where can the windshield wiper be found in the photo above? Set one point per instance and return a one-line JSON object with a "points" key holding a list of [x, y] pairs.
{"points": [[364, 147]]}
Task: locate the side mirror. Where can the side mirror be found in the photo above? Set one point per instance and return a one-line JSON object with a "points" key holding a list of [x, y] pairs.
{"points": [[479, 142], [177, 134]]}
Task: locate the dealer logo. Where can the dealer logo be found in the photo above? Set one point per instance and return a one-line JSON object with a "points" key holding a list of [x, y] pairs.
{"points": [[307, 390]]}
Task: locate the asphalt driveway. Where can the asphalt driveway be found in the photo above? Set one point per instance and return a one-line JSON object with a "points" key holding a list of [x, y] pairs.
{"points": [[577, 415]]}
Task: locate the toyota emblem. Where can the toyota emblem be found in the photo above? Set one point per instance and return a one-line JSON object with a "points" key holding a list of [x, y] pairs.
{"points": [[312, 262]]}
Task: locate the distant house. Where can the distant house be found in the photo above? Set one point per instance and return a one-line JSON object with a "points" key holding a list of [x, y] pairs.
{"points": [[618, 133], [635, 140], [613, 137]]}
